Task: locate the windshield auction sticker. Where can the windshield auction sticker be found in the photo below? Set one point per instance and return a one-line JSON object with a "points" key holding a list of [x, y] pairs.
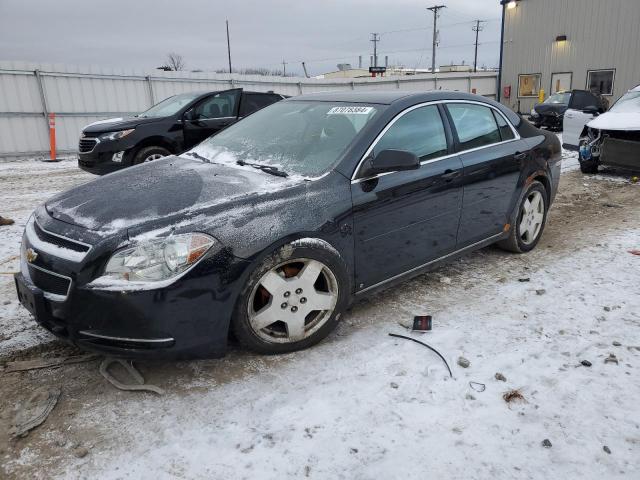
{"points": [[350, 110]]}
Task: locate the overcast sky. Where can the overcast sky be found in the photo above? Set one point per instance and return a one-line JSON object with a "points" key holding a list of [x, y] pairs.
{"points": [[139, 33]]}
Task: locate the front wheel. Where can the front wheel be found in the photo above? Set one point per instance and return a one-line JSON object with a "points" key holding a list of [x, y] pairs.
{"points": [[293, 299], [528, 220], [149, 154]]}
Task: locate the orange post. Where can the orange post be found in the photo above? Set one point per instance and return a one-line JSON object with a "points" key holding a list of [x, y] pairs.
{"points": [[52, 136]]}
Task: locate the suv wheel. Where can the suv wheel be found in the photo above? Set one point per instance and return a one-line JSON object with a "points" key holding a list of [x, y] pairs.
{"points": [[149, 154]]}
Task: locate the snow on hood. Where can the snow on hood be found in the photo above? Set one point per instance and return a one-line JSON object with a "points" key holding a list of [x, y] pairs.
{"points": [[108, 120], [170, 187], [616, 121]]}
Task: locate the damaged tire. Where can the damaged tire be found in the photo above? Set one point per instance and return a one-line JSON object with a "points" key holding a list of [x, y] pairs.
{"points": [[528, 220], [293, 299]]}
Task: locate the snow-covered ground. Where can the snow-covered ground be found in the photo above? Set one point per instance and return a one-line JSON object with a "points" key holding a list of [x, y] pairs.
{"points": [[362, 404]]}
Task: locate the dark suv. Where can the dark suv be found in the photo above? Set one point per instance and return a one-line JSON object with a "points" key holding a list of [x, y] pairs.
{"points": [[170, 127]]}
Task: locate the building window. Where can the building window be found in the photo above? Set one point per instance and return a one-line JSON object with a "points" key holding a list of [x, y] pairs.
{"points": [[560, 82], [529, 85], [601, 81]]}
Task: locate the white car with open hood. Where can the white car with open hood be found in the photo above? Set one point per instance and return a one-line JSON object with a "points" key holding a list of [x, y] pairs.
{"points": [[612, 138]]}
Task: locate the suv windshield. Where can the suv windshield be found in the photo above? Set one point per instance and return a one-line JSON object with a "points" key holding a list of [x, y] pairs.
{"points": [[628, 103], [299, 137], [171, 105], [562, 98]]}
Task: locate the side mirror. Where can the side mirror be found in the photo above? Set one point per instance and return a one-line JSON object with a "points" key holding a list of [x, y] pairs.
{"points": [[591, 109], [392, 161], [189, 115]]}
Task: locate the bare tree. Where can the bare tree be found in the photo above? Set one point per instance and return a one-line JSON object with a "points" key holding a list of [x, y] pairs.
{"points": [[174, 62]]}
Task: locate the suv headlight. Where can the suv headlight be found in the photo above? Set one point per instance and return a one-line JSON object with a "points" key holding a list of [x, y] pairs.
{"points": [[534, 113], [117, 135], [160, 259]]}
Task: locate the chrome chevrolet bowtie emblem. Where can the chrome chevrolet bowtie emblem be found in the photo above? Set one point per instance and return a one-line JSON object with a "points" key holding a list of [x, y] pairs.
{"points": [[31, 255]]}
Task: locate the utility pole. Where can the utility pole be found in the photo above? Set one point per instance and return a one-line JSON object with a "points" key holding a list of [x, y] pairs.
{"points": [[435, 9], [477, 28], [304, 67], [284, 68], [375, 38], [228, 46]]}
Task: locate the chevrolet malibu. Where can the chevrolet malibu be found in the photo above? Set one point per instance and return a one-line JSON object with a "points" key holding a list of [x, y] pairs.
{"points": [[271, 228]]}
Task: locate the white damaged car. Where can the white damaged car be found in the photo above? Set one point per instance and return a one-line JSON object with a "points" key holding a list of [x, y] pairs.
{"points": [[612, 138]]}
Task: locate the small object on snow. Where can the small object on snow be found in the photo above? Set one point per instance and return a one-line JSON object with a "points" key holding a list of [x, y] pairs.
{"points": [[500, 377], [513, 396], [445, 280], [6, 302], [634, 252], [611, 205], [140, 386], [546, 443], [586, 363], [634, 179], [607, 449], [35, 410], [81, 452], [422, 323], [428, 346], [6, 221], [616, 343], [611, 359], [468, 396], [540, 291], [523, 280], [23, 365], [393, 385], [477, 386], [606, 309], [502, 280], [463, 362]]}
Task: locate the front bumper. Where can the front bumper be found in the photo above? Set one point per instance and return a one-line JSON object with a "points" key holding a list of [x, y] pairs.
{"points": [[101, 162], [188, 319], [620, 153], [549, 121]]}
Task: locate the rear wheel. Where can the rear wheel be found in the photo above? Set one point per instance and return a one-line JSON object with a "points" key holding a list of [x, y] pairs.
{"points": [[528, 221], [293, 299], [149, 154]]}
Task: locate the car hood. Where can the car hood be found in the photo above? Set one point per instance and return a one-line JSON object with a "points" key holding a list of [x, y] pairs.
{"points": [[616, 121], [547, 108], [170, 189], [121, 123]]}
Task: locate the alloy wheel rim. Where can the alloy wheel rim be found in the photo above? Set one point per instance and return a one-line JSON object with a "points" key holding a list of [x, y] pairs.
{"points": [[292, 301], [152, 157], [531, 217]]}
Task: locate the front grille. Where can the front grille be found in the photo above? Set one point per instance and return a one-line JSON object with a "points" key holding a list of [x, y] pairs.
{"points": [[87, 144], [49, 281], [59, 241]]}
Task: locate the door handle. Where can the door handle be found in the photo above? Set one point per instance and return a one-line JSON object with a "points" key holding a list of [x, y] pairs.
{"points": [[449, 174], [520, 156]]}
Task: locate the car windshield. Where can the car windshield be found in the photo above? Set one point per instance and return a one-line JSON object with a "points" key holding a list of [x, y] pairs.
{"points": [[299, 137], [628, 103], [171, 105], [562, 98]]}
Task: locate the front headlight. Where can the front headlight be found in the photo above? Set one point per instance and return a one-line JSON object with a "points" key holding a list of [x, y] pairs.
{"points": [[161, 259], [534, 113], [117, 135]]}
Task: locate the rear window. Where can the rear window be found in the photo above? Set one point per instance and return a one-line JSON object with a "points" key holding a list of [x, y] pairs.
{"points": [[475, 125]]}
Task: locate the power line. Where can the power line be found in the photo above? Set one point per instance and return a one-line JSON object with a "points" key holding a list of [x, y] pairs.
{"points": [[435, 9], [477, 28]]}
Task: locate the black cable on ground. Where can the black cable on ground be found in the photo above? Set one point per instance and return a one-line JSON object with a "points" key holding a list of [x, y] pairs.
{"points": [[424, 344]]}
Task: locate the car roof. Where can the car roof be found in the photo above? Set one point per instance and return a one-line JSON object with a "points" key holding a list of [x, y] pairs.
{"points": [[387, 97]]}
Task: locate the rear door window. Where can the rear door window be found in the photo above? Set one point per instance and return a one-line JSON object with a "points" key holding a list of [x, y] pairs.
{"points": [[505, 130], [420, 132], [475, 125]]}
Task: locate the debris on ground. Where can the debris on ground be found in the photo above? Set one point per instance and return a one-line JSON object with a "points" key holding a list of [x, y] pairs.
{"points": [[463, 362], [523, 280], [586, 363], [500, 377], [607, 449], [445, 280], [546, 443], [477, 386], [540, 291], [425, 345], [132, 371], [393, 385], [513, 396], [468, 396], [616, 343], [23, 365], [35, 410], [422, 323], [81, 452], [6, 221], [634, 252], [611, 359]]}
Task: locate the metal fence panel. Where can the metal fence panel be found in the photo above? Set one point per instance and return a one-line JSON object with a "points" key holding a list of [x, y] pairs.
{"points": [[81, 95]]}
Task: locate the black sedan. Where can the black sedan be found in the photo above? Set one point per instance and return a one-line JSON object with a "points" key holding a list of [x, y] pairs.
{"points": [[172, 126], [271, 228]]}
